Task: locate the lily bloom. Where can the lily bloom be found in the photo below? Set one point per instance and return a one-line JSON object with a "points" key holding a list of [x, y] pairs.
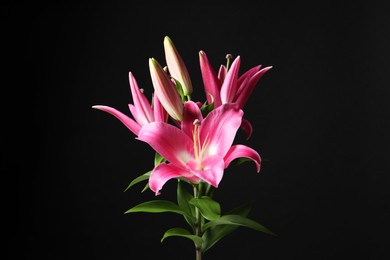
{"points": [[201, 149], [142, 111], [176, 66], [227, 86], [166, 90]]}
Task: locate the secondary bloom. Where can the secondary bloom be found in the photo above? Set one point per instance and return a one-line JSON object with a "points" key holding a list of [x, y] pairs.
{"points": [[227, 86], [142, 111], [201, 149]]}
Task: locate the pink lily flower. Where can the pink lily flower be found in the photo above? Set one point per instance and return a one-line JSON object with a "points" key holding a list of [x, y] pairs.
{"points": [[227, 86], [166, 90], [201, 149], [142, 111], [176, 66]]}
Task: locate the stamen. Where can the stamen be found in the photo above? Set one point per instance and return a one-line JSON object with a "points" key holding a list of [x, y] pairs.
{"points": [[229, 57], [196, 122], [142, 90]]}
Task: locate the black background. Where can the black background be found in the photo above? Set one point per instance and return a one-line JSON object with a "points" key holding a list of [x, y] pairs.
{"points": [[320, 118]]}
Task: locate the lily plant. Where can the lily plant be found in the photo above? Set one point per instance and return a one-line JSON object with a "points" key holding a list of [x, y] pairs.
{"points": [[194, 142]]}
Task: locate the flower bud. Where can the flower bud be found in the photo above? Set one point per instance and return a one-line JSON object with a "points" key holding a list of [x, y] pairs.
{"points": [[176, 67], [165, 90]]}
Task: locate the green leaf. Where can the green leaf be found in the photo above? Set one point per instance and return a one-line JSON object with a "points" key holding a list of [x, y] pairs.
{"points": [[239, 221], [216, 233], [183, 198], [206, 108], [158, 159], [156, 206], [239, 161], [180, 90], [145, 188], [209, 208], [143, 177], [181, 232]]}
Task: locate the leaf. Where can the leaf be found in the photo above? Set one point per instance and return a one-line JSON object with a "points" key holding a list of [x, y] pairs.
{"points": [[206, 108], [209, 208], [179, 89], [156, 206], [239, 221], [183, 198], [181, 232], [216, 233], [143, 177], [145, 188], [158, 159], [239, 161]]}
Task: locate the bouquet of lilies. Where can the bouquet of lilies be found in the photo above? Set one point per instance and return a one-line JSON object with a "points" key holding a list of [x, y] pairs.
{"points": [[193, 142]]}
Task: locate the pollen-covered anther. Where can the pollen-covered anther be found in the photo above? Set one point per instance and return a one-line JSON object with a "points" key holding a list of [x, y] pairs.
{"points": [[196, 122], [142, 90]]}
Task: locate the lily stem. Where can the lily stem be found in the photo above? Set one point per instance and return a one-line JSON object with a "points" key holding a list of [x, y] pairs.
{"points": [[198, 224]]}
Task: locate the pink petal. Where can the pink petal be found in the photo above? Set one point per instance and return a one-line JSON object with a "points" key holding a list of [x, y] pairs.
{"points": [[160, 115], [247, 127], [229, 86], [144, 110], [219, 128], [191, 112], [127, 121], [242, 151], [169, 141], [212, 168], [247, 90], [164, 172], [210, 80], [221, 75], [248, 74], [139, 118], [242, 86]]}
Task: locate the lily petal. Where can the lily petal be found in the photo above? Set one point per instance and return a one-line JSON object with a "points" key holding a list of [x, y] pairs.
{"points": [[213, 167], [191, 113], [242, 151], [164, 172], [219, 128], [169, 141], [140, 119], [210, 80], [222, 74], [247, 90], [160, 115], [229, 86], [248, 74], [144, 110], [127, 121], [247, 127]]}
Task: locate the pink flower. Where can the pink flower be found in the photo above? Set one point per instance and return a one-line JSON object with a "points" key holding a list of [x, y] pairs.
{"points": [[227, 86], [166, 90], [201, 149], [142, 111]]}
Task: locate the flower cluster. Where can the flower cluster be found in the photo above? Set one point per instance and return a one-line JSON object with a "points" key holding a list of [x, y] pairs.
{"points": [[193, 140]]}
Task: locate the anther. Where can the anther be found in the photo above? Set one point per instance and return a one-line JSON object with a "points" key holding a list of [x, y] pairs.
{"points": [[197, 122]]}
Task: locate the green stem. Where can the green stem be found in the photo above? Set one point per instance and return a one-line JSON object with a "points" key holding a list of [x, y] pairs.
{"points": [[208, 190], [198, 223]]}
